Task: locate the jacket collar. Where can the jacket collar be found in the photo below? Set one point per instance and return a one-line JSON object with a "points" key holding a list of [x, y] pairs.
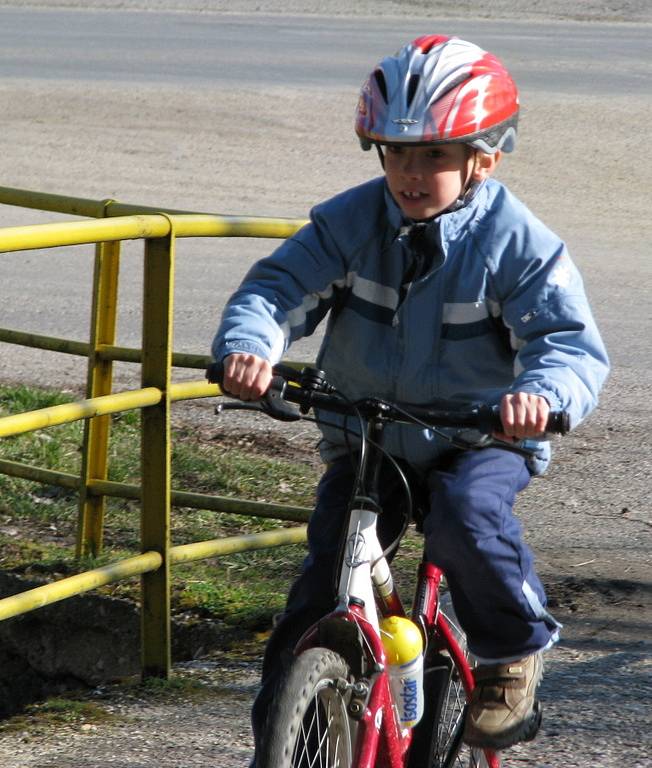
{"points": [[449, 221]]}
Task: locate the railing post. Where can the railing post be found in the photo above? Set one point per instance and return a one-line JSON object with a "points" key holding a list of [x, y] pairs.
{"points": [[155, 453], [99, 382]]}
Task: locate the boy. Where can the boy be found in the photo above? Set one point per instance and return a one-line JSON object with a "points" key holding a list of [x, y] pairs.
{"points": [[439, 283]]}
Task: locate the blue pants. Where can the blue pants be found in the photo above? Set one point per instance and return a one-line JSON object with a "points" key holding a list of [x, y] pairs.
{"points": [[470, 532]]}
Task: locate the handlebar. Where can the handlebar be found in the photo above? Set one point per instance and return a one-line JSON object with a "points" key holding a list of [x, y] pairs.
{"points": [[309, 389]]}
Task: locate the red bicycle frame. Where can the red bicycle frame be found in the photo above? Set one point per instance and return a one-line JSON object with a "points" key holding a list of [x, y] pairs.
{"points": [[380, 741]]}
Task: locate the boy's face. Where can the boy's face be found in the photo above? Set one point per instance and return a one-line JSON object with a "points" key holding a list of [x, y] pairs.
{"points": [[427, 180]]}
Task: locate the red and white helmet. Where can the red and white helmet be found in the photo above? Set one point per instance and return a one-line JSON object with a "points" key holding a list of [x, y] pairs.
{"points": [[439, 90]]}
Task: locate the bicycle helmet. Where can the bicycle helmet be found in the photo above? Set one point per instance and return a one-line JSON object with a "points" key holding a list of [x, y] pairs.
{"points": [[439, 90]]}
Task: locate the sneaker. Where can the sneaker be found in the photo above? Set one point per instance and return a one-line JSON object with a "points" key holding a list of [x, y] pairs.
{"points": [[503, 710]]}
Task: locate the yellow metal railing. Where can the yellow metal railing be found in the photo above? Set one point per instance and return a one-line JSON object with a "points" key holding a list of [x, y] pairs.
{"points": [[140, 564], [114, 223]]}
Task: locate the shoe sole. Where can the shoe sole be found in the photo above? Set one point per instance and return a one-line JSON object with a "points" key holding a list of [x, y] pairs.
{"points": [[524, 731]]}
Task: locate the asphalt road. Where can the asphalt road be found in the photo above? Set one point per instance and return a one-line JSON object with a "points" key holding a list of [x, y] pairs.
{"points": [[119, 46]]}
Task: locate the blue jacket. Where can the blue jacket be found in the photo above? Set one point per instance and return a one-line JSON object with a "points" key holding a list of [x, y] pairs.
{"points": [[500, 307]]}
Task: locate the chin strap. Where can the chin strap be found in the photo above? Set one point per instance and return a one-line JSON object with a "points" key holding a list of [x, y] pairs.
{"points": [[381, 156], [465, 198], [471, 187]]}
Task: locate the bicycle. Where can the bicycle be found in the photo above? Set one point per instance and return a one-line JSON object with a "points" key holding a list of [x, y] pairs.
{"points": [[337, 708]]}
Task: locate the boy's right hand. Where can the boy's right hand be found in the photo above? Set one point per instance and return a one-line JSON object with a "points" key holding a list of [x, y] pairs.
{"points": [[246, 376]]}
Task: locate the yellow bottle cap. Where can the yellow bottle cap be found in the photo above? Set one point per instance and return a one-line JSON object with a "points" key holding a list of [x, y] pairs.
{"points": [[401, 639]]}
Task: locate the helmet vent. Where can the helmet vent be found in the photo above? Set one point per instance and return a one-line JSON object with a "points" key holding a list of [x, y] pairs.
{"points": [[428, 42], [413, 84], [382, 85]]}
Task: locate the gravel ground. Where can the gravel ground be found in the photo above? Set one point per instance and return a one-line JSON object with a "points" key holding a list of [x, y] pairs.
{"points": [[213, 730], [588, 520]]}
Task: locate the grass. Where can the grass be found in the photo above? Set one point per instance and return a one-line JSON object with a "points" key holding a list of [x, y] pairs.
{"points": [[38, 522]]}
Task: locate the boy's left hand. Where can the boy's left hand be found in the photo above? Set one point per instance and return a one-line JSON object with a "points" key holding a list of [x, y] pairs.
{"points": [[523, 415]]}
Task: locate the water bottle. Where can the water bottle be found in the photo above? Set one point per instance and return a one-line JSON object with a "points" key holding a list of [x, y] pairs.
{"points": [[403, 646]]}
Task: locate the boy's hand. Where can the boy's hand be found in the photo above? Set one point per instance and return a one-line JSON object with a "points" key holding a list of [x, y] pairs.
{"points": [[246, 376], [523, 415]]}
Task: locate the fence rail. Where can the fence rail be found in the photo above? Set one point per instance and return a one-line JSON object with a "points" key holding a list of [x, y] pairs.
{"points": [[102, 351], [138, 565], [111, 223]]}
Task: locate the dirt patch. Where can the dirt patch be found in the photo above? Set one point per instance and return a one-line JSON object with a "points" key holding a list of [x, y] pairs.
{"points": [[268, 444]]}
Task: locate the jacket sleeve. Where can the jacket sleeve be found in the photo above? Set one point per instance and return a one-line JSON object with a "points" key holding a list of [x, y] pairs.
{"points": [[284, 296], [558, 350]]}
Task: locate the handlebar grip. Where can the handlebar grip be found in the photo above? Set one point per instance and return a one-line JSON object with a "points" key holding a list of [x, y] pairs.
{"points": [[558, 423], [215, 373]]}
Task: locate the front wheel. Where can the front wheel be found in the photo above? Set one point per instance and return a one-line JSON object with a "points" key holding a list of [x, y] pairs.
{"points": [[308, 723]]}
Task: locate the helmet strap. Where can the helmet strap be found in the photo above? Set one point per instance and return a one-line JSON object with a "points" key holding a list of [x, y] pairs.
{"points": [[381, 155], [469, 188]]}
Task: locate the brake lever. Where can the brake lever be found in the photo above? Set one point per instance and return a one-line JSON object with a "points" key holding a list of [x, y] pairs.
{"points": [[271, 403], [234, 405]]}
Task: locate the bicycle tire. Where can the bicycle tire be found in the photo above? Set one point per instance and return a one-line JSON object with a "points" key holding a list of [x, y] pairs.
{"points": [[308, 723]]}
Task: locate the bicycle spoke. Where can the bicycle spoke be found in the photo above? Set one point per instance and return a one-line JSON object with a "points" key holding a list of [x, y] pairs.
{"points": [[450, 723], [320, 737], [328, 741], [303, 741], [317, 746]]}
